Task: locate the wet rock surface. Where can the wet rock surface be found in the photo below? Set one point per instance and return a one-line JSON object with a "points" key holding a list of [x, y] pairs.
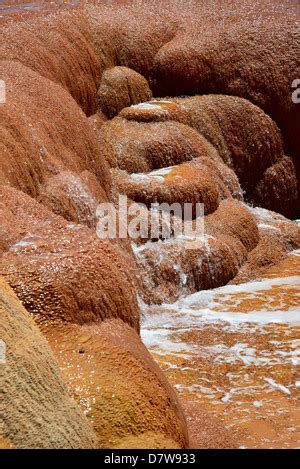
{"points": [[62, 272], [45, 134], [189, 106], [205, 181], [234, 351], [119, 387]]}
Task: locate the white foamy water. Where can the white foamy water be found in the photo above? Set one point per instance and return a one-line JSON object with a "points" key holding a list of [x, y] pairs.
{"points": [[151, 105], [250, 330], [156, 175], [206, 307], [148, 105]]}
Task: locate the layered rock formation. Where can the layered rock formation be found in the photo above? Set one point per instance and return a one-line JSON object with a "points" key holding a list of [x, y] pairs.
{"points": [[64, 275], [237, 244], [178, 266], [75, 132], [246, 139], [58, 47], [121, 389], [44, 134], [62, 272], [202, 180], [137, 148], [157, 48], [121, 87], [230, 50], [277, 237], [36, 410]]}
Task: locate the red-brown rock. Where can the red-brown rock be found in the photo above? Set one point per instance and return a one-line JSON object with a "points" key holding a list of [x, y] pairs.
{"points": [[62, 272], [121, 87], [120, 388]]}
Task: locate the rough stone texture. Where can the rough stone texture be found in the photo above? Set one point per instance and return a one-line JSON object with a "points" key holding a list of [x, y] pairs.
{"points": [[130, 35], [97, 120], [233, 219], [157, 110], [121, 87], [243, 136], [52, 151], [148, 440], [278, 189], [205, 430], [139, 148], [43, 133], [121, 389], [230, 50], [238, 245], [196, 48], [198, 188], [202, 180], [277, 237], [76, 198], [59, 47], [37, 411], [246, 138], [250, 143], [63, 272], [234, 50], [178, 267]]}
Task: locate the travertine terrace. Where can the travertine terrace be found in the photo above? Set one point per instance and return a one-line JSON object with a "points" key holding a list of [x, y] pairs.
{"points": [[164, 102]]}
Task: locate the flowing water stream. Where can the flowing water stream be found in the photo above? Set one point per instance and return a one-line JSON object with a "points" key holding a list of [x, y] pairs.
{"points": [[235, 350]]}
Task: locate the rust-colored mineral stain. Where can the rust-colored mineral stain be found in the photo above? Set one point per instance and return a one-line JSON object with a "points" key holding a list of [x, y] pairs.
{"points": [[244, 372], [116, 383], [82, 123]]}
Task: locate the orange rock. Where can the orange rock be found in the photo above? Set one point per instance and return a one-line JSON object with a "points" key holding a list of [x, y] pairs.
{"points": [[233, 219], [64, 275], [55, 148], [159, 47], [44, 132], [130, 35], [251, 144], [60, 271], [121, 87], [207, 431], [278, 237], [37, 410], [58, 47], [97, 120], [137, 147], [278, 189], [124, 394], [203, 180], [242, 63], [230, 52], [177, 267], [158, 110], [75, 198], [180, 267], [152, 188], [246, 138]]}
